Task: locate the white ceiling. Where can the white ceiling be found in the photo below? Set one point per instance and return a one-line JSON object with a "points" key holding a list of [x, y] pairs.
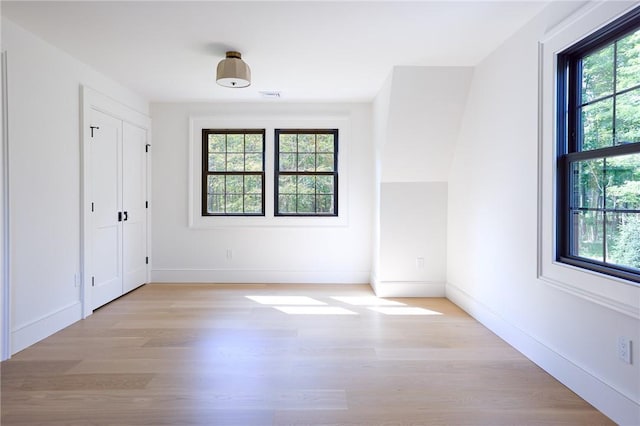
{"points": [[310, 51]]}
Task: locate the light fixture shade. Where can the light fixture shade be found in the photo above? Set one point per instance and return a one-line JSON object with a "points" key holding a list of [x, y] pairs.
{"points": [[233, 71]]}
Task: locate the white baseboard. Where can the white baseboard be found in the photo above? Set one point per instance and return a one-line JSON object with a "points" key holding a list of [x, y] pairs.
{"points": [[407, 288], [610, 401], [45, 326], [258, 276]]}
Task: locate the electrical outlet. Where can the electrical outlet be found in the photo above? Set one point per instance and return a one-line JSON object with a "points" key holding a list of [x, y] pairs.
{"points": [[420, 262], [624, 349], [229, 254]]}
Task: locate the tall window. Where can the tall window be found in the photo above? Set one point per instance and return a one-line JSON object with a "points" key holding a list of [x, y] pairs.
{"points": [[306, 172], [232, 172], [599, 151]]}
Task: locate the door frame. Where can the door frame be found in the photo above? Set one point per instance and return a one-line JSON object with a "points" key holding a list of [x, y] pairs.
{"points": [[5, 249], [94, 100]]}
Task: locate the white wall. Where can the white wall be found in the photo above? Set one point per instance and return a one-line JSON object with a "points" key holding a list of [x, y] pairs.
{"points": [[44, 181], [413, 236], [266, 249], [492, 237], [380, 113]]}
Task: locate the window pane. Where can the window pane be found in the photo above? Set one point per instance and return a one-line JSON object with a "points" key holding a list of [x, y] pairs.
{"points": [[628, 61], [253, 143], [234, 203], [623, 239], [235, 143], [597, 125], [306, 143], [597, 74], [623, 182], [325, 163], [587, 234], [325, 143], [253, 184], [234, 184], [306, 162], [324, 184], [253, 162], [288, 162], [306, 184], [288, 143], [287, 184], [308, 188], [215, 203], [229, 188], [217, 163], [588, 184], [306, 204], [598, 112], [217, 143], [235, 162], [324, 203], [215, 184], [287, 204], [253, 203], [628, 117]]}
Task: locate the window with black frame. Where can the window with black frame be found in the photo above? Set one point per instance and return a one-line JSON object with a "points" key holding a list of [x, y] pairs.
{"points": [[598, 120], [306, 172], [233, 172]]}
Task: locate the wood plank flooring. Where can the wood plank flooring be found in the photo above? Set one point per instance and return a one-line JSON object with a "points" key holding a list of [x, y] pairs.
{"points": [[232, 355]]}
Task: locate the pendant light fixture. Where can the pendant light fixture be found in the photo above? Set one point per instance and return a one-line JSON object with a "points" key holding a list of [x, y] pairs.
{"points": [[233, 71]]}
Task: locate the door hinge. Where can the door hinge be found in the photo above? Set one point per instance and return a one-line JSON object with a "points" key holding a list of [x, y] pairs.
{"points": [[93, 128], [146, 204], [93, 281], [146, 260], [146, 147]]}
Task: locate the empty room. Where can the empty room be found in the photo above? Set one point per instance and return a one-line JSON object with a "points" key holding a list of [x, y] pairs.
{"points": [[320, 212]]}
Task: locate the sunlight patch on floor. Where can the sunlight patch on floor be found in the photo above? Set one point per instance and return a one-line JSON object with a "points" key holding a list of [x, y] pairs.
{"points": [[286, 300], [366, 301], [314, 310], [403, 310]]}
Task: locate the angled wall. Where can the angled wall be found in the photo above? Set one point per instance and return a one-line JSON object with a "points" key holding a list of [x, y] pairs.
{"points": [[418, 114]]}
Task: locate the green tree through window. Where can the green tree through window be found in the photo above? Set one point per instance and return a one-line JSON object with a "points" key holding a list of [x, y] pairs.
{"points": [[306, 177], [232, 172]]}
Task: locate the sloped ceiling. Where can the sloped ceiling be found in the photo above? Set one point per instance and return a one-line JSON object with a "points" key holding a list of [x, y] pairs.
{"points": [[426, 106]]}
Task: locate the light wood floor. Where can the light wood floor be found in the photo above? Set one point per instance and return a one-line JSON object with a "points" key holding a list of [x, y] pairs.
{"points": [[208, 355]]}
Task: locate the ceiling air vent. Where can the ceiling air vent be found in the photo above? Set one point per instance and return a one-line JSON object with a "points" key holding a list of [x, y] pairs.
{"points": [[270, 94]]}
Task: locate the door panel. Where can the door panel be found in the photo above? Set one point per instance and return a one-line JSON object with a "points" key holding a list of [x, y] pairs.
{"points": [[105, 183], [134, 172]]}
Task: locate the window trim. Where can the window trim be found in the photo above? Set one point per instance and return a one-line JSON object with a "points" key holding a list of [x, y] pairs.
{"points": [[614, 293], [216, 118], [206, 172], [568, 131], [277, 173]]}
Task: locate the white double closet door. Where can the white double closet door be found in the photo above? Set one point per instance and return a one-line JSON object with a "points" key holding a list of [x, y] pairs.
{"points": [[117, 172]]}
